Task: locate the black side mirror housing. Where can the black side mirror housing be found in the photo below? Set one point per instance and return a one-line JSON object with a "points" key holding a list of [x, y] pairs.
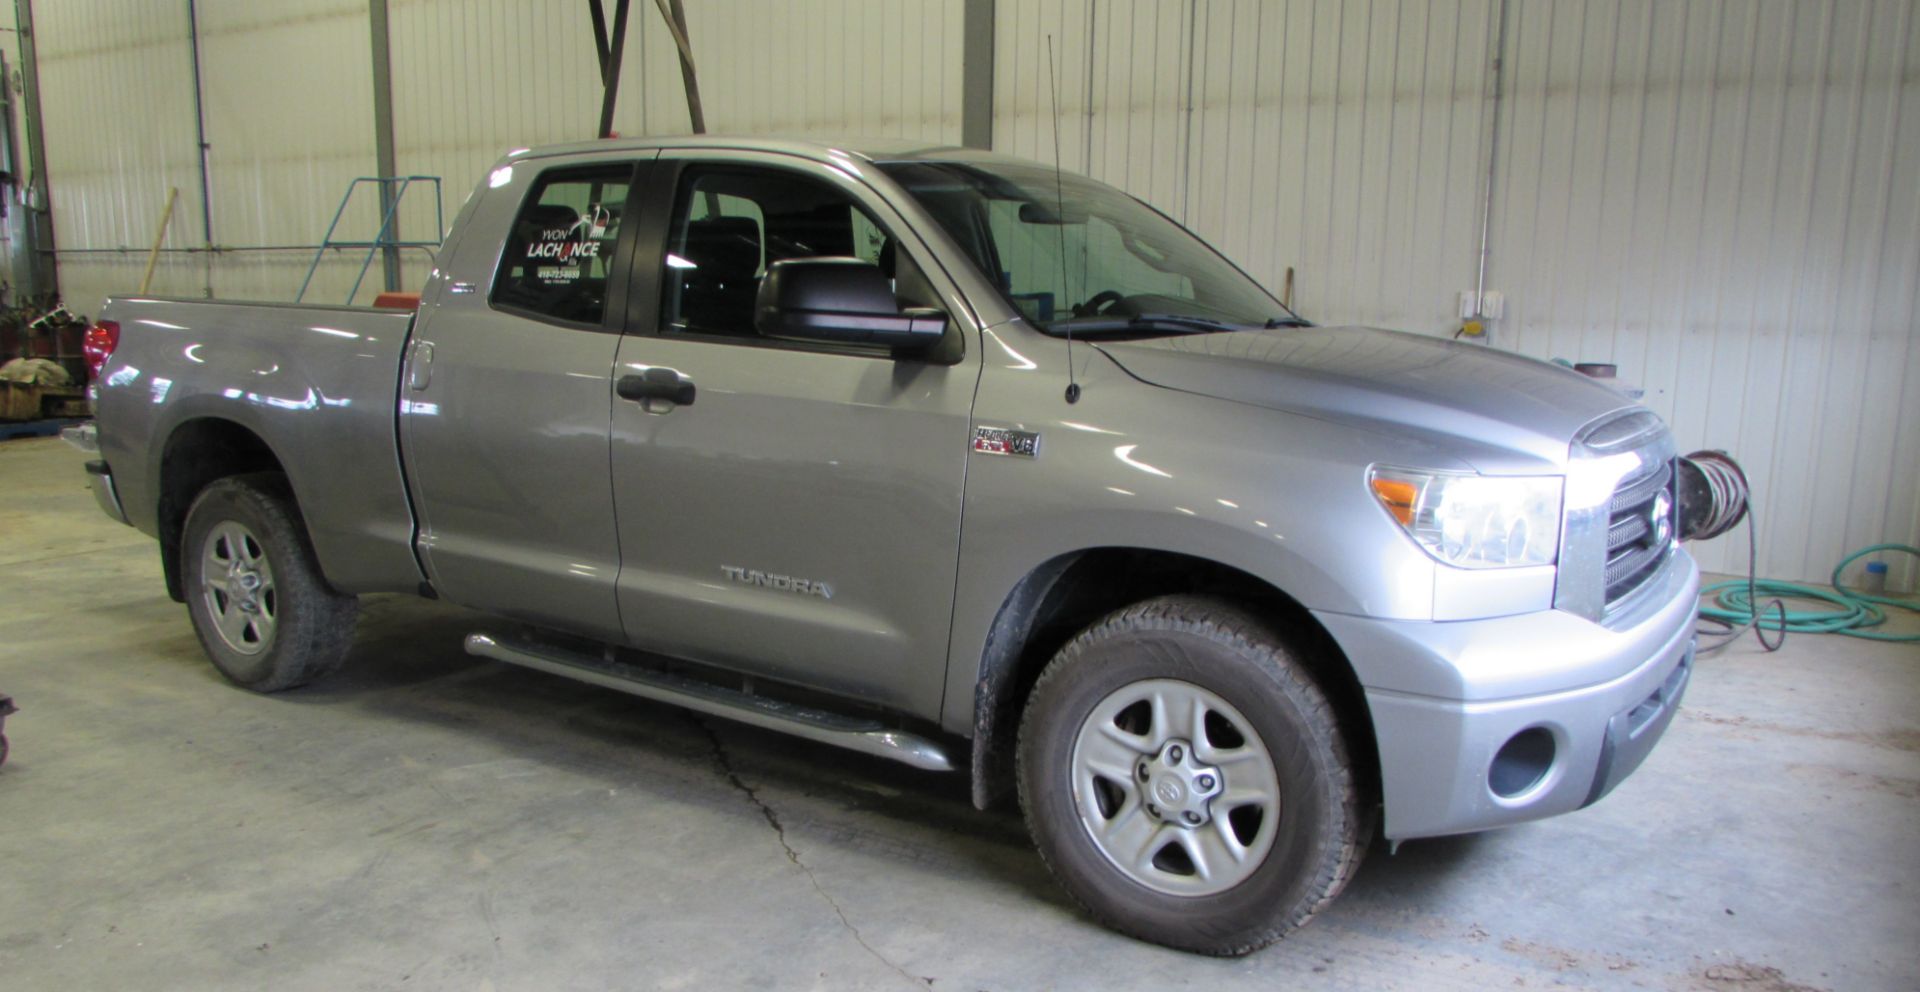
{"points": [[840, 301]]}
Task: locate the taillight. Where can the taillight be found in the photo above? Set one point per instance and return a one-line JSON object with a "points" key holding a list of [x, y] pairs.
{"points": [[101, 339]]}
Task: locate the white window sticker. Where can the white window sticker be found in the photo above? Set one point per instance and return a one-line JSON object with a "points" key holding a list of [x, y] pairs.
{"points": [[579, 240]]}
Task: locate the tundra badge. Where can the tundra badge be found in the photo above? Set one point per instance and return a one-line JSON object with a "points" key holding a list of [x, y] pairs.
{"points": [[784, 583]]}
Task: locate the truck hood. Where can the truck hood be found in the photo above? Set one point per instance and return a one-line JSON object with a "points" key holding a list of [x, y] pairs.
{"points": [[1496, 411]]}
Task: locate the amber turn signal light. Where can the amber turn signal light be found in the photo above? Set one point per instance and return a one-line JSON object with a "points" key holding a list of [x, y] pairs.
{"points": [[1398, 497]]}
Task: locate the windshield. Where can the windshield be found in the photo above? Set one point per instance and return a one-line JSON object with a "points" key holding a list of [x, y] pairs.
{"points": [[1074, 254]]}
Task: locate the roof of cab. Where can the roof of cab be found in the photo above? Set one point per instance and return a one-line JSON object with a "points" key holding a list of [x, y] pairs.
{"points": [[819, 149]]}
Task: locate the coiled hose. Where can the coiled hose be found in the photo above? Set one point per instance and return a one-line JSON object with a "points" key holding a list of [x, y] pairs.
{"points": [[1852, 612], [1721, 501]]}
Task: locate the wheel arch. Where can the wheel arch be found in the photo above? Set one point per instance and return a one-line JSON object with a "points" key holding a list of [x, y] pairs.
{"points": [[1063, 595], [197, 453]]}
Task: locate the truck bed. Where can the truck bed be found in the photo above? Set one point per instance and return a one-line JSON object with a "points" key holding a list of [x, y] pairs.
{"points": [[317, 384]]}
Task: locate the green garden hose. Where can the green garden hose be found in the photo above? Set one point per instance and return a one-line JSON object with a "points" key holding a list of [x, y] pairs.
{"points": [[1852, 613]]}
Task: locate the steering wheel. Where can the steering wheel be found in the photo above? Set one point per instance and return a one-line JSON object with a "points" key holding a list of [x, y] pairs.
{"points": [[1099, 303]]}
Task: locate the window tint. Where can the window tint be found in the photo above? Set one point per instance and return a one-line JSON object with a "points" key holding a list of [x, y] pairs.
{"points": [[561, 247], [1040, 280], [730, 224], [1063, 246]]}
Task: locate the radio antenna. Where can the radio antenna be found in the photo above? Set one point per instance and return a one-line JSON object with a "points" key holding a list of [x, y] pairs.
{"points": [[1060, 213]]}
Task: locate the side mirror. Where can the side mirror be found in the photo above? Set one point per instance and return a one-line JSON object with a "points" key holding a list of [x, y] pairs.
{"points": [[841, 301]]}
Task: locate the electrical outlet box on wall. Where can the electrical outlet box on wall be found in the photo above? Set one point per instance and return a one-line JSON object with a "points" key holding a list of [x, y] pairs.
{"points": [[1472, 305]]}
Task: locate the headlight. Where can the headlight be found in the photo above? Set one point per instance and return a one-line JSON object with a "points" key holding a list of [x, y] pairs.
{"points": [[1474, 521]]}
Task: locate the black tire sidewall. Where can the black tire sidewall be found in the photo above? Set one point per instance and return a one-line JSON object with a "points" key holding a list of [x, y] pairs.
{"points": [[1315, 786], [261, 504]]}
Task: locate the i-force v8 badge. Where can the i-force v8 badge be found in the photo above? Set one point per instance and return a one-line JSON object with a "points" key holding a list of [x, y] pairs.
{"points": [[1005, 441]]}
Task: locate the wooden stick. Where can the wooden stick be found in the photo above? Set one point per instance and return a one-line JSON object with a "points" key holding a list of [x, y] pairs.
{"points": [[153, 255]]}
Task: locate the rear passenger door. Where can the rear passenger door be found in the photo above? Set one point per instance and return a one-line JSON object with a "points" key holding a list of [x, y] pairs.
{"points": [[505, 403], [800, 518]]}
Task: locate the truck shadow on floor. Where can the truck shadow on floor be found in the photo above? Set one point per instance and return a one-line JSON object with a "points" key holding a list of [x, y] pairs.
{"points": [[408, 663]]}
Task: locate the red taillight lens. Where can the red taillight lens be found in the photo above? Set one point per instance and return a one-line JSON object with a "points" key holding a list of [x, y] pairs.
{"points": [[102, 338]]}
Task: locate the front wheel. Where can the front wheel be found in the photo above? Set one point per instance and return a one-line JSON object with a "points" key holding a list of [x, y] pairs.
{"points": [[265, 615], [1186, 780]]}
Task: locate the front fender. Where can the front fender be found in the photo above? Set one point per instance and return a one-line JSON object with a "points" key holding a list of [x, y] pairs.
{"points": [[1278, 496]]}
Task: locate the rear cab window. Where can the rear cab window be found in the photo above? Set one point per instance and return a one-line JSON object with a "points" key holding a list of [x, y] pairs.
{"points": [[561, 248]]}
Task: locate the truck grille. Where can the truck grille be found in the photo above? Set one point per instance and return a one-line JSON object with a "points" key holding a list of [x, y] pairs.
{"points": [[1639, 530]]}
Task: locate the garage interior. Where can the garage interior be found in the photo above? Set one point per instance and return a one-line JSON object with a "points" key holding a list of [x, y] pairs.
{"points": [[1717, 198]]}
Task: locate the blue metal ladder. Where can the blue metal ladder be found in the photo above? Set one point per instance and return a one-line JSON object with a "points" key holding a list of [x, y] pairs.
{"points": [[384, 238]]}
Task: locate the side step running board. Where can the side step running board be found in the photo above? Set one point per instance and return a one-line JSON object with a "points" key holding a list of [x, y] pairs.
{"points": [[865, 736]]}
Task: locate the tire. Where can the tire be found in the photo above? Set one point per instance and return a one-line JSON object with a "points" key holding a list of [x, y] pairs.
{"points": [[1269, 782], [266, 617]]}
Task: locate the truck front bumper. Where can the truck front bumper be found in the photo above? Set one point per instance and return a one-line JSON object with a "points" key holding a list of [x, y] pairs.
{"points": [[1485, 723]]}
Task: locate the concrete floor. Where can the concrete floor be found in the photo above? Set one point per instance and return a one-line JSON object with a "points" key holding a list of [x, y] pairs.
{"points": [[424, 820]]}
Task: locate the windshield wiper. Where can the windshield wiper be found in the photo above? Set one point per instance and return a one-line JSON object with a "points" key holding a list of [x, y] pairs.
{"points": [[1289, 322], [1183, 323]]}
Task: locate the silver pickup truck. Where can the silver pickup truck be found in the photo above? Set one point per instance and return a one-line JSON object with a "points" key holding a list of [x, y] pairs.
{"points": [[943, 457]]}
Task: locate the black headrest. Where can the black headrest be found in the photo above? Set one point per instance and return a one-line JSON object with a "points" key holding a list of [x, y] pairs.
{"points": [[549, 216], [823, 229], [729, 245]]}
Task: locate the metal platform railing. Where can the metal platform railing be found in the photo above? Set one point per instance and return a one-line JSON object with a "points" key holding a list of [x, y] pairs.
{"points": [[382, 239]]}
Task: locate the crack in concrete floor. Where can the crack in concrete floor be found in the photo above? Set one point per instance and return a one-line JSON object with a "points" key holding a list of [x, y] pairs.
{"points": [[725, 764]]}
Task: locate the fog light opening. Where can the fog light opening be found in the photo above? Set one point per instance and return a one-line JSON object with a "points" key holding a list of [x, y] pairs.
{"points": [[1522, 762]]}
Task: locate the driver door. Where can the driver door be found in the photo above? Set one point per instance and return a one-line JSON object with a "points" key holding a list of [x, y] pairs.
{"points": [[800, 517]]}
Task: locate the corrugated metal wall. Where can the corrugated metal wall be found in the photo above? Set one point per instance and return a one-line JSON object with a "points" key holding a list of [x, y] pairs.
{"points": [[1342, 139], [288, 94], [287, 98], [124, 75], [1724, 198], [1719, 196], [472, 80], [289, 111]]}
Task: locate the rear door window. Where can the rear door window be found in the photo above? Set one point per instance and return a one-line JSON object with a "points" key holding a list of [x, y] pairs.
{"points": [[561, 248]]}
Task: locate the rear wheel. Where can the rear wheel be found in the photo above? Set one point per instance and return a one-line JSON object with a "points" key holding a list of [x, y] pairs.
{"points": [[1185, 779], [265, 615]]}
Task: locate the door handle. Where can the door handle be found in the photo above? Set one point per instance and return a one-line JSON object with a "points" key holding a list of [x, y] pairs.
{"points": [[664, 385], [422, 371]]}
